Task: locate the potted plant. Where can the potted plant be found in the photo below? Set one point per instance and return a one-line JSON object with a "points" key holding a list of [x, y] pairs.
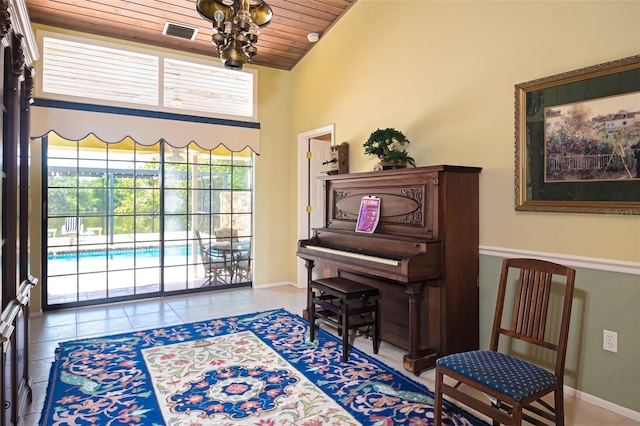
{"points": [[388, 145]]}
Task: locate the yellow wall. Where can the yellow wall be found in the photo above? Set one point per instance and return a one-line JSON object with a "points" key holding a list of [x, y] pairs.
{"points": [[272, 214], [443, 72]]}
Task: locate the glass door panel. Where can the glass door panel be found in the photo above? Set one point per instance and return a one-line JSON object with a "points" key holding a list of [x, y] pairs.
{"points": [[122, 219]]}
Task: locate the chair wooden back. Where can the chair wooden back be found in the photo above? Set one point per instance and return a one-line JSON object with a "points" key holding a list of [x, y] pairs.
{"points": [[531, 305]]}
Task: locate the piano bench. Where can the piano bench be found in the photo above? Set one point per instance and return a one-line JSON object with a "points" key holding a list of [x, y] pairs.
{"points": [[346, 304]]}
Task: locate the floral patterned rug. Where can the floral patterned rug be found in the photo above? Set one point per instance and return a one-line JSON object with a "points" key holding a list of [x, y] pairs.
{"points": [[256, 369]]}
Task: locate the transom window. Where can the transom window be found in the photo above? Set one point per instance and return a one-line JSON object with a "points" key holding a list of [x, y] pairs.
{"points": [[91, 71]]}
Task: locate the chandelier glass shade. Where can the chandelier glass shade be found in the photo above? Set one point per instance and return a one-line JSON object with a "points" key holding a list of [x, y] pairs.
{"points": [[236, 27]]}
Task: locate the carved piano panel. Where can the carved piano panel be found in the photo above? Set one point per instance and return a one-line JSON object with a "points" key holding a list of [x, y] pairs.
{"points": [[423, 256], [407, 202]]}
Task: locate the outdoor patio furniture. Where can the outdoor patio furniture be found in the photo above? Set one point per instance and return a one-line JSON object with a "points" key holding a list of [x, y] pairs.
{"points": [[217, 267], [72, 228], [237, 250], [242, 261]]}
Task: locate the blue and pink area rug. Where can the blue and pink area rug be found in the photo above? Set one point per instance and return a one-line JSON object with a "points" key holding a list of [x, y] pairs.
{"points": [[255, 369]]}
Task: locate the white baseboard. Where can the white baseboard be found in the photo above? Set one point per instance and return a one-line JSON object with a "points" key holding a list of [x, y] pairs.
{"points": [[602, 403], [292, 284], [298, 286], [598, 264], [278, 284]]}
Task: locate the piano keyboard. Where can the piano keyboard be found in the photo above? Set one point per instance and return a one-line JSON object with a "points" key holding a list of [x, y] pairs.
{"points": [[383, 260]]}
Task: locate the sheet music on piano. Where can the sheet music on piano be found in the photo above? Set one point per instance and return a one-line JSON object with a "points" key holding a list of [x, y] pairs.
{"points": [[369, 214]]}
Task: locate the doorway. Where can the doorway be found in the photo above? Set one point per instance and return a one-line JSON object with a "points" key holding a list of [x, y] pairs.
{"points": [[314, 148]]}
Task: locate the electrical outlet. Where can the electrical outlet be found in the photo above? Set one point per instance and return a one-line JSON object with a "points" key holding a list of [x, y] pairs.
{"points": [[610, 341]]}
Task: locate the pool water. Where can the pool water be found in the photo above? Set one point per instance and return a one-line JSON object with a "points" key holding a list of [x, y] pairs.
{"points": [[120, 252], [70, 262]]}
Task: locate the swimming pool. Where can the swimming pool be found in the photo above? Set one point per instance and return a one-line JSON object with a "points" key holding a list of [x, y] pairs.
{"points": [[86, 259]]}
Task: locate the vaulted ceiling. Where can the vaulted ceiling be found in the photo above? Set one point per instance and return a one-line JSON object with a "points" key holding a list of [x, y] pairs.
{"points": [[281, 45]]}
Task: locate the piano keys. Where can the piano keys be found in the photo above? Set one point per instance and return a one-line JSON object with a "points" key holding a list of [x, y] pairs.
{"points": [[355, 255], [423, 256]]}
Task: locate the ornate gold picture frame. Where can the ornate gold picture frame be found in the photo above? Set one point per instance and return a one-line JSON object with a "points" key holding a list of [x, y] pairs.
{"points": [[577, 140]]}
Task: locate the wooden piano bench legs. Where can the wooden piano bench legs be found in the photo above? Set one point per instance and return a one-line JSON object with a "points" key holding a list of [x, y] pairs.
{"points": [[346, 304]]}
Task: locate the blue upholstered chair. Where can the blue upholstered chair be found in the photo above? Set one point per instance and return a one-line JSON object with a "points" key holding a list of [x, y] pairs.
{"points": [[510, 384]]}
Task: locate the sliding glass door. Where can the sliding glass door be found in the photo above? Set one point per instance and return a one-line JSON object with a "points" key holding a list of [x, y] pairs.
{"points": [[122, 219]]}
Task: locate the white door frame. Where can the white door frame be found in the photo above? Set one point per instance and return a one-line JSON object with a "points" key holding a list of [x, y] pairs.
{"points": [[303, 190]]}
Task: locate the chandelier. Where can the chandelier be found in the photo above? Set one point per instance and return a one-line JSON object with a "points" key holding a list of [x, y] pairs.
{"points": [[235, 28]]}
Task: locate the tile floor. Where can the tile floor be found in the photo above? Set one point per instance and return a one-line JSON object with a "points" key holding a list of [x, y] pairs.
{"points": [[52, 327]]}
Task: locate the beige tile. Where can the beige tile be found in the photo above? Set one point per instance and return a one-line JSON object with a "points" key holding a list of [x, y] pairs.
{"points": [[241, 307], [189, 302], [100, 313], [39, 391], [228, 298], [578, 412], [39, 370], [44, 350], [146, 307], [199, 313], [56, 333], [52, 319], [104, 327], [32, 420], [283, 294], [266, 304], [154, 320]]}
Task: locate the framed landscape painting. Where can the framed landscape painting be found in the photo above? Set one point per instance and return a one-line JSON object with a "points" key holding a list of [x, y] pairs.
{"points": [[577, 146]]}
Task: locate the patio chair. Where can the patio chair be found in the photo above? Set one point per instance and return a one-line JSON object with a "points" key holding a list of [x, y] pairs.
{"points": [[242, 262], [227, 234], [216, 267], [510, 383], [240, 252], [72, 228]]}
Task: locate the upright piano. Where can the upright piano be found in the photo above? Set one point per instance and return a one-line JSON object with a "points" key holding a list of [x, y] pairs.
{"points": [[423, 255]]}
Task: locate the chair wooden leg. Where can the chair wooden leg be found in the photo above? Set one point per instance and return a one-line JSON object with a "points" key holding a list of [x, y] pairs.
{"points": [[559, 406], [494, 405], [516, 415], [437, 400]]}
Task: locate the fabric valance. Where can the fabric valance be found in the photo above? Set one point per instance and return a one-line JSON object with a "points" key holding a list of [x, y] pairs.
{"points": [[75, 121]]}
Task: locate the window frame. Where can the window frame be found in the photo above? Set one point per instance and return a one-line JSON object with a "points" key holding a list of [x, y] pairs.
{"points": [[39, 92]]}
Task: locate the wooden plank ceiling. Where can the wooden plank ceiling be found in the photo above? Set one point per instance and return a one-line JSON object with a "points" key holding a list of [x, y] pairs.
{"points": [[281, 45]]}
